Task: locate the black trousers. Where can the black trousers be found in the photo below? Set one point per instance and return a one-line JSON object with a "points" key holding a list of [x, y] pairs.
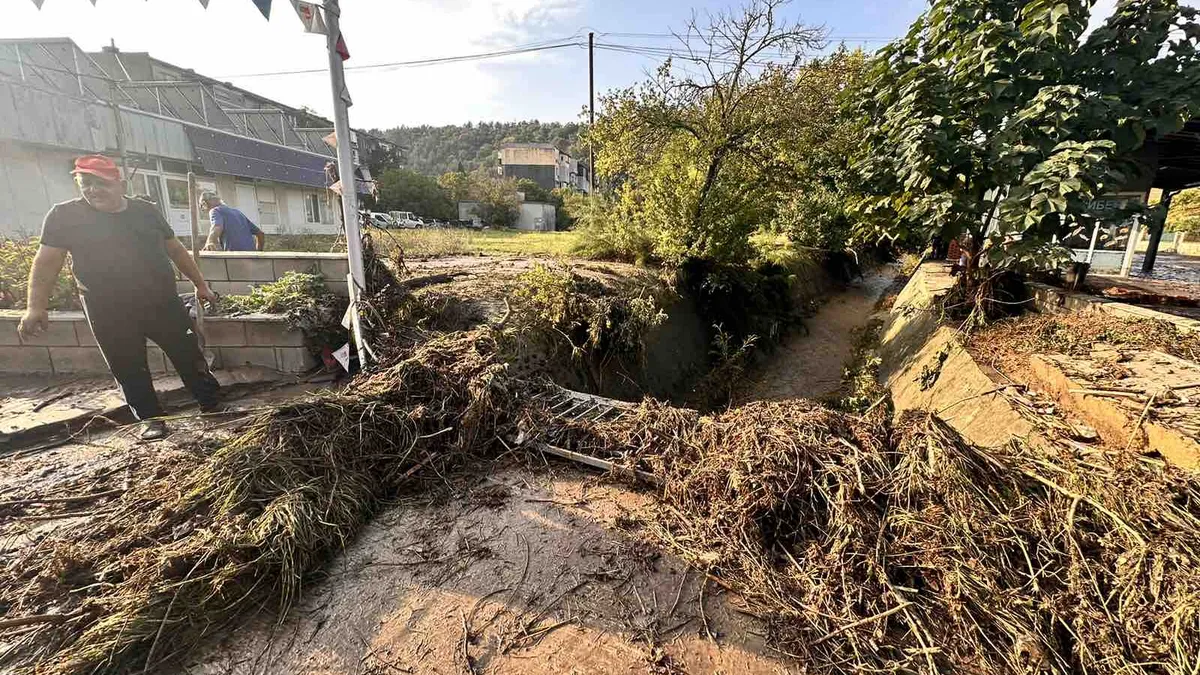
{"points": [[121, 328]]}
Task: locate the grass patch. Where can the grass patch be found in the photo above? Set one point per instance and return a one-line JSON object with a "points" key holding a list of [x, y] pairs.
{"points": [[310, 307], [437, 242]]}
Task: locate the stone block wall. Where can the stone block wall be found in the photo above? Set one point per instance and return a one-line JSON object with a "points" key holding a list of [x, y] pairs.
{"points": [[234, 273], [68, 346]]}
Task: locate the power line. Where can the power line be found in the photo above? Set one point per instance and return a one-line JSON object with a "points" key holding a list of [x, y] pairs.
{"points": [[525, 49], [684, 36]]}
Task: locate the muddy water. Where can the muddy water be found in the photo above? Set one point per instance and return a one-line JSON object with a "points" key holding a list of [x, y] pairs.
{"points": [[810, 361]]}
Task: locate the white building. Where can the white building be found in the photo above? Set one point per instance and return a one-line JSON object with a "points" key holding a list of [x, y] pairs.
{"points": [[160, 121]]}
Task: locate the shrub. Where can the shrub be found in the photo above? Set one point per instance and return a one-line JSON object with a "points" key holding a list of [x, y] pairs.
{"points": [[591, 317], [304, 299], [16, 258]]}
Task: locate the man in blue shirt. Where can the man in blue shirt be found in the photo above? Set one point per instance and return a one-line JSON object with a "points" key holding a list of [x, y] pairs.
{"points": [[231, 230]]}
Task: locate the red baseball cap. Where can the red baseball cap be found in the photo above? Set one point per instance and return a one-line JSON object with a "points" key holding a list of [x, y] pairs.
{"points": [[97, 165]]}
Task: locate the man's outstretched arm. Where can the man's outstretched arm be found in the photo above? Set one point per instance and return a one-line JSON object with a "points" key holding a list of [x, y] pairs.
{"points": [[47, 263]]}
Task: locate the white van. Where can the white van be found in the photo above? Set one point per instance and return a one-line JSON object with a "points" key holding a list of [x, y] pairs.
{"points": [[405, 219]]}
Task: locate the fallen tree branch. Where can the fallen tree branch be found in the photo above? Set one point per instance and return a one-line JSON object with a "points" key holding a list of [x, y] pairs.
{"points": [[62, 500], [1116, 393], [856, 624], [32, 619]]}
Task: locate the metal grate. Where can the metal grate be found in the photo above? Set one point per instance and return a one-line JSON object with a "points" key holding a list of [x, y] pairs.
{"points": [[574, 406]]}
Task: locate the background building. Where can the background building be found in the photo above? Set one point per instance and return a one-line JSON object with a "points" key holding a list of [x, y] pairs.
{"points": [[160, 121], [544, 164], [534, 216]]}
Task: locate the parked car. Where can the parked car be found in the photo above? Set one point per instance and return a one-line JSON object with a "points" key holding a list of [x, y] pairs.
{"points": [[405, 219], [380, 220]]}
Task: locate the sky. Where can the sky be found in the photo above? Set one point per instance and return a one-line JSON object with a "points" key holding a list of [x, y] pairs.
{"points": [[232, 41]]}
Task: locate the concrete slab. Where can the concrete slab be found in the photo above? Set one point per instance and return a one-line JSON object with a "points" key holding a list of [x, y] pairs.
{"points": [[31, 403], [1111, 390]]}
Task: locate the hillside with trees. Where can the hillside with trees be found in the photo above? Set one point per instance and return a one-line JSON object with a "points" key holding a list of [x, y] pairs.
{"points": [[434, 151]]}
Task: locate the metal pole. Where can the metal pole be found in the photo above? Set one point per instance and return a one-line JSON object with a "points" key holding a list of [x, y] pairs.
{"points": [[1092, 246], [345, 157], [194, 200], [591, 111]]}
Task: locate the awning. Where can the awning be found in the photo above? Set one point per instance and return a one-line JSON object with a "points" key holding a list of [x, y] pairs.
{"points": [[1179, 158], [228, 154]]}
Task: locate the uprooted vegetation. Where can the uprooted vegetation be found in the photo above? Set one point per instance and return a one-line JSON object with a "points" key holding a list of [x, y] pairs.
{"points": [[864, 546], [1005, 343], [872, 549], [584, 313]]}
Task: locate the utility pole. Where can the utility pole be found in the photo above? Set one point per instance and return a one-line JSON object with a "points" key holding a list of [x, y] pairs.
{"points": [[345, 161], [591, 110]]}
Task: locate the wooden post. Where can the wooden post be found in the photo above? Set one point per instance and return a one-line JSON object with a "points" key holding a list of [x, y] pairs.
{"points": [[1135, 233], [194, 199]]}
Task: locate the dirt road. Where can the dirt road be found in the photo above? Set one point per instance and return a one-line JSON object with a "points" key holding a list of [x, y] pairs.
{"points": [[809, 363]]}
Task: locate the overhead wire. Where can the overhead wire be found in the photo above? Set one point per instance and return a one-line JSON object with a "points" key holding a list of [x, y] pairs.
{"points": [[513, 51]]}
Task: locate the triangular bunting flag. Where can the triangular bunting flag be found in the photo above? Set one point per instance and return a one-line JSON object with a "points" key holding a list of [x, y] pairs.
{"points": [[204, 4], [93, 3], [38, 3], [310, 16], [331, 140], [264, 6], [340, 47]]}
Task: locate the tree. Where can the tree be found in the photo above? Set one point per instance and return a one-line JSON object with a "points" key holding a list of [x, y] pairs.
{"points": [[532, 191], [1184, 215], [1003, 111], [407, 190], [694, 151], [498, 203], [379, 157], [437, 150]]}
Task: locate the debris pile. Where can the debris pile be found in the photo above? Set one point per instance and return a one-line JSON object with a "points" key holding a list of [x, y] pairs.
{"points": [[1075, 334], [184, 556], [866, 546], [909, 550]]}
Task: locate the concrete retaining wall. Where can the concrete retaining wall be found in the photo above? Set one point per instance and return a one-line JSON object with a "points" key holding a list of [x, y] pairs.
{"points": [[69, 347], [234, 273], [925, 367]]}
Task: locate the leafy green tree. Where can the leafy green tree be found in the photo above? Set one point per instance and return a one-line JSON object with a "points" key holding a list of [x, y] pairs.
{"points": [[533, 192], [699, 154], [407, 190], [1003, 112], [498, 202], [1184, 215]]}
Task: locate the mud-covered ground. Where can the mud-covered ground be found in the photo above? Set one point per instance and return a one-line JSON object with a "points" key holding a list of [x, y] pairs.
{"points": [[527, 569], [519, 566]]}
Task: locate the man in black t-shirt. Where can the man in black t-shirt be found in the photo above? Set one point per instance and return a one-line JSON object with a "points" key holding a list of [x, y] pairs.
{"points": [[121, 251]]}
